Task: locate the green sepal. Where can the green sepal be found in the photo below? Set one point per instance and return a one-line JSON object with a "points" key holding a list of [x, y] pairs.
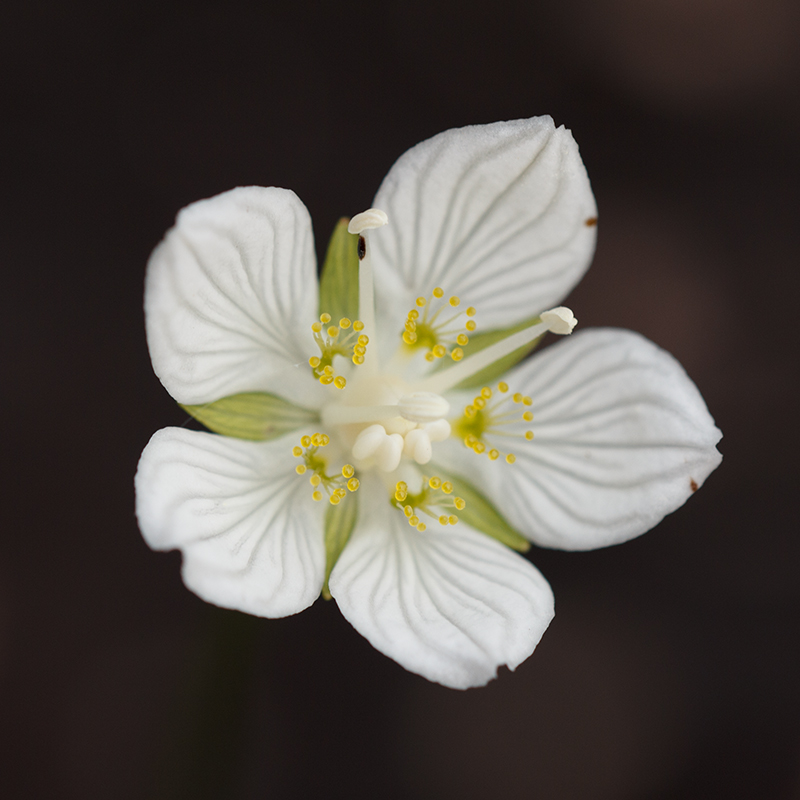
{"points": [[257, 416], [338, 284], [480, 513], [478, 341], [339, 523]]}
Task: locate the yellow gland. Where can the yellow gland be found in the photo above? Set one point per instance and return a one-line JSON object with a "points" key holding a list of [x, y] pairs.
{"points": [[491, 418], [434, 497], [336, 486], [344, 339], [440, 334]]}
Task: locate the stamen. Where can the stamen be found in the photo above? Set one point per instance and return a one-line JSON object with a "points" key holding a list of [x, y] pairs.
{"points": [[441, 337], [434, 497], [361, 224], [491, 416], [558, 320], [420, 407], [336, 486], [344, 340]]}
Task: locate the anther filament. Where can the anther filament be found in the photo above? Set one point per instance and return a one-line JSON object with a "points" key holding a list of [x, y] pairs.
{"points": [[336, 486], [435, 497], [344, 339], [442, 333], [491, 416]]}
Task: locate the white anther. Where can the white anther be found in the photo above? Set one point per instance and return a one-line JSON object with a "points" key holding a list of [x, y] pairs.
{"points": [[368, 220], [368, 441], [437, 431], [560, 320], [387, 457], [423, 406], [418, 446]]}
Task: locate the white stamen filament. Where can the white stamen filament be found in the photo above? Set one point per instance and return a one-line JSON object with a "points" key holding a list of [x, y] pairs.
{"points": [[558, 320], [416, 407], [350, 415], [360, 224]]}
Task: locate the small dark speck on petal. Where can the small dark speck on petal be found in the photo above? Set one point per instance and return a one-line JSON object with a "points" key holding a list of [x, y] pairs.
{"points": [[693, 484], [591, 222], [362, 248]]}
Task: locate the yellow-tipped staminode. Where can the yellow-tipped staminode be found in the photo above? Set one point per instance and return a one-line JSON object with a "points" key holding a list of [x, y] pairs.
{"points": [[434, 496], [440, 337], [491, 417], [344, 339], [336, 486]]}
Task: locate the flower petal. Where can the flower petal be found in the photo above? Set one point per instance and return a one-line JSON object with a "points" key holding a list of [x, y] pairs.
{"points": [[622, 438], [230, 295], [449, 604], [250, 534], [502, 215]]}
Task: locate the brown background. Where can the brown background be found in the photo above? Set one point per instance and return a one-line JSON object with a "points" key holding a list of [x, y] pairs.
{"points": [[671, 669]]}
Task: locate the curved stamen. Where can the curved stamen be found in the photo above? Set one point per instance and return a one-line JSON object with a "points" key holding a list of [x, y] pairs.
{"points": [[415, 407], [361, 224], [557, 320]]}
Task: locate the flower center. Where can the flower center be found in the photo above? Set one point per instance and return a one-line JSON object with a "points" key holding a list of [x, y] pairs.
{"points": [[387, 421]]}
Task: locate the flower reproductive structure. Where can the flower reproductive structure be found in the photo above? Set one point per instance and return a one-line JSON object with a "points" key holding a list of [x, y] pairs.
{"points": [[380, 435]]}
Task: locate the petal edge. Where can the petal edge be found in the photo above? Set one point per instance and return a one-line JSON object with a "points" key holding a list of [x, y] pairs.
{"points": [[250, 536]]}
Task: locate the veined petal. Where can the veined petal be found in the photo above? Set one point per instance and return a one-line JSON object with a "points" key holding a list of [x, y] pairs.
{"points": [[622, 438], [502, 215], [251, 536], [449, 604], [230, 294]]}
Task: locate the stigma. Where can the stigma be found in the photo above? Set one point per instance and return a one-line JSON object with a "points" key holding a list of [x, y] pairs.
{"points": [[383, 446]]}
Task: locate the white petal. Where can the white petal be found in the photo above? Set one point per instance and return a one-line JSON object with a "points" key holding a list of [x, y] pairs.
{"points": [[250, 534], [496, 214], [230, 296], [622, 438], [449, 604]]}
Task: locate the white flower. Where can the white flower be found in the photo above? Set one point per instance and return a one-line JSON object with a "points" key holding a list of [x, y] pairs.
{"points": [[487, 227]]}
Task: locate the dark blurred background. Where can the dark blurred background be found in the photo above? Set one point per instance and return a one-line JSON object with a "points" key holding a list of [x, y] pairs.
{"points": [[672, 668]]}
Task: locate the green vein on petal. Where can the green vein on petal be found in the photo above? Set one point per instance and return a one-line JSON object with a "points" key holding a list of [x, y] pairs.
{"points": [[338, 285], [339, 523], [256, 416], [479, 513]]}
